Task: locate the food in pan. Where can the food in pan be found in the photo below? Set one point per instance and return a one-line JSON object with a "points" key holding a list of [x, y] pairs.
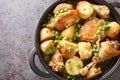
{"points": [[74, 35]]}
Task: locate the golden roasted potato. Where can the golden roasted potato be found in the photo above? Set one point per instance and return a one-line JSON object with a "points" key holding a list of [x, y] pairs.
{"points": [[85, 50], [68, 49], [114, 29], [73, 65], [45, 34], [85, 9], [62, 6], [68, 33], [94, 72], [45, 45]]}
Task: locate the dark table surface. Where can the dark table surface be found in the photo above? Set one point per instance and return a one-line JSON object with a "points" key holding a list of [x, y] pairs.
{"points": [[18, 21]]}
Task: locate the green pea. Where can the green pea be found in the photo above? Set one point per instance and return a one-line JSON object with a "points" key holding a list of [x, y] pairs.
{"points": [[99, 36], [78, 65], [62, 11], [91, 5], [70, 40], [94, 50], [59, 45], [78, 35], [95, 54], [66, 9], [68, 77], [71, 48], [100, 28], [53, 31], [56, 33], [70, 68], [95, 46], [95, 70], [107, 22], [57, 13], [65, 38], [74, 78], [74, 38], [107, 27], [57, 37], [78, 25], [98, 31], [68, 61], [56, 41]]}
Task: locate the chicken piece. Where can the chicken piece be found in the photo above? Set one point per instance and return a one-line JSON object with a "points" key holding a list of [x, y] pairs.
{"points": [[68, 49], [102, 10], [86, 69], [56, 62], [64, 20], [62, 6], [108, 50], [88, 30]]}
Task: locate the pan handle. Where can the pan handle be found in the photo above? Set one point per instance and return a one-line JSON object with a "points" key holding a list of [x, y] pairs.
{"points": [[116, 4], [34, 68]]}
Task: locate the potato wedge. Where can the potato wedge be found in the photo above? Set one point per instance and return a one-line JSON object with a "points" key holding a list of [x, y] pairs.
{"points": [[113, 30], [45, 34], [73, 65], [85, 50], [85, 10], [62, 6], [68, 49], [94, 72], [45, 45], [68, 33]]}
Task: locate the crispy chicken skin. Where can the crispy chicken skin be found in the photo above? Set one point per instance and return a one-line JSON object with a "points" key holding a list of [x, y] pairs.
{"points": [[88, 31], [56, 61], [102, 10], [64, 20], [108, 50]]}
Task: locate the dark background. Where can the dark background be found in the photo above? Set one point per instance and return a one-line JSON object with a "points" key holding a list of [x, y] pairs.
{"points": [[18, 21]]}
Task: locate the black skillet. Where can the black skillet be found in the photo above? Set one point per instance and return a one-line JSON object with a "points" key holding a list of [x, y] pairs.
{"points": [[108, 67]]}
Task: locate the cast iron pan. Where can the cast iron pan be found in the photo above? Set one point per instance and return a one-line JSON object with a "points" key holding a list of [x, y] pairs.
{"points": [[109, 65]]}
